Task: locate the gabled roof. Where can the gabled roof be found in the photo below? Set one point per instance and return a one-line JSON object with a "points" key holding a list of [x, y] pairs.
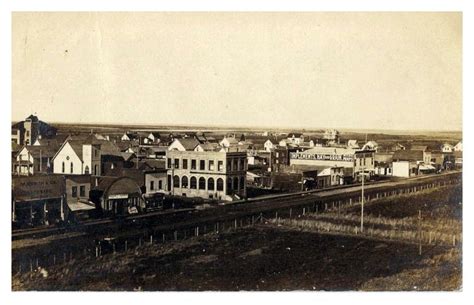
{"points": [[294, 134], [419, 147], [408, 155], [39, 150], [210, 146], [231, 140], [188, 143]]}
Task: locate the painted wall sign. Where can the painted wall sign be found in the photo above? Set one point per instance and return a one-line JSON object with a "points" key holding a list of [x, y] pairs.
{"points": [[324, 157], [37, 187]]}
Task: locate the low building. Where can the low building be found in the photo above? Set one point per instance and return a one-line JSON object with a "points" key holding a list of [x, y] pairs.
{"points": [[329, 157], [77, 191], [38, 200], [119, 196], [155, 188]]}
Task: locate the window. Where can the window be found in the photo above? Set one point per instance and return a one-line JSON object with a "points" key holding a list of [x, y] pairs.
{"points": [[184, 182], [169, 162], [234, 165], [152, 185], [211, 165], [229, 161], [210, 184], [169, 183], [193, 164], [74, 191], [96, 170], [175, 181], [160, 184], [236, 183], [277, 154], [239, 164], [82, 191], [202, 165], [229, 186], [72, 167], [86, 171], [220, 184], [63, 168], [176, 163], [193, 183], [185, 163], [220, 166], [202, 183], [242, 183]]}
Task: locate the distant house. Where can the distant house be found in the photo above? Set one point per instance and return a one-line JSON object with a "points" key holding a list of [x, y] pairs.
{"points": [[185, 144], [78, 157], [295, 138], [26, 132], [352, 144], [33, 160], [371, 145], [228, 141], [458, 146], [447, 148], [155, 137], [128, 136], [331, 136], [398, 146]]}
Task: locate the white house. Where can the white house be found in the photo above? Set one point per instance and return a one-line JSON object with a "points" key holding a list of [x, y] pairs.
{"points": [[268, 145], [447, 148], [185, 144], [295, 138], [458, 147], [352, 144], [370, 145], [78, 158], [228, 141]]}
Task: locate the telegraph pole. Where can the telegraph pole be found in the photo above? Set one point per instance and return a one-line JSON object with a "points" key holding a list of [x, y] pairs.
{"points": [[362, 204]]}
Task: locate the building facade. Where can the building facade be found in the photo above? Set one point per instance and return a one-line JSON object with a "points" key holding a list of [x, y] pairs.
{"points": [[216, 175], [77, 158]]}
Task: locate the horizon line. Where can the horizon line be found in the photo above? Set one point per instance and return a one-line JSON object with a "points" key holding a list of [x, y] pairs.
{"points": [[255, 127]]}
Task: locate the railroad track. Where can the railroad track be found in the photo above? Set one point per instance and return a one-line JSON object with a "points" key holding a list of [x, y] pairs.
{"points": [[172, 219]]}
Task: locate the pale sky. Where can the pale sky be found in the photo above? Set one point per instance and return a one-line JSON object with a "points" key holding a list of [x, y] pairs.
{"points": [[309, 70]]}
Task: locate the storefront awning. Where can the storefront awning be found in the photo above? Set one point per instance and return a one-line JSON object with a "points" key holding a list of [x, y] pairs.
{"points": [[80, 206]]}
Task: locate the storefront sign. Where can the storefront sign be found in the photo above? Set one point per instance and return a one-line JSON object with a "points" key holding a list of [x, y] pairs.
{"points": [[118, 196], [37, 187], [323, 157]]}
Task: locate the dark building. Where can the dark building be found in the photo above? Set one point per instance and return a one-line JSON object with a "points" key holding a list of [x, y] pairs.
{"points": [[26, 132]]}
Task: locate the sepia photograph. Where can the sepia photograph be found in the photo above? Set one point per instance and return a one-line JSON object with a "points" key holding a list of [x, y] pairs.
{"points": [[236, 151]]}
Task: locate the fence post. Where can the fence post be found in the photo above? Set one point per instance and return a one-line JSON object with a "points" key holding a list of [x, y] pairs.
{"points": [[151, 239], [454, 240], [113, 246], [175, 235], [125, 246], [96, 252], [54, 259], [291, 211], [163, 237], [31, 266], [304, 211]]}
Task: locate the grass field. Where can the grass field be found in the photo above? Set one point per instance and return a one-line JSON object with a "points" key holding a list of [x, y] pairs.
{"points": [[285, 257]]}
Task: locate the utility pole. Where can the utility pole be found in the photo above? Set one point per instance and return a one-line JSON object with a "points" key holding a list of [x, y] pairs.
{"points": [[41, 163], [419, 232], [362, 203]]}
